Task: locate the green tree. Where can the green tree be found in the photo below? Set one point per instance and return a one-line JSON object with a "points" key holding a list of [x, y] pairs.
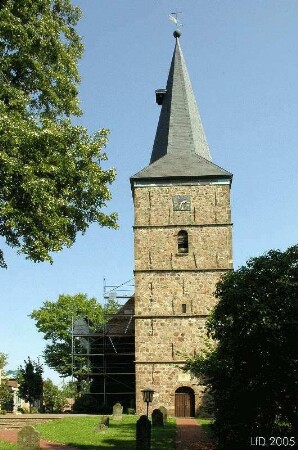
{"points": [[6, 397], [54, 399], [69, 389], [3, 362], [52, 184], [253, 371], [56, 319], [30, 381]]}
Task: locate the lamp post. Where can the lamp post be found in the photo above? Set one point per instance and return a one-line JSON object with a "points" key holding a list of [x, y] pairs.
{"points": [[147, 397]]}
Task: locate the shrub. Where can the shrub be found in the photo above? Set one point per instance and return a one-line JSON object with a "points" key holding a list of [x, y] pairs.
{"points": [[86, 404]]}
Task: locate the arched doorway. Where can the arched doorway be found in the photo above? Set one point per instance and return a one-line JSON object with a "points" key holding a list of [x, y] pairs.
{"points": [[184, 402]]}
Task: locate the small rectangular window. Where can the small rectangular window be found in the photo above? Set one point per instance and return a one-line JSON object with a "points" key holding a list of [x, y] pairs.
{"points": [[182, 241], [184, 307]]}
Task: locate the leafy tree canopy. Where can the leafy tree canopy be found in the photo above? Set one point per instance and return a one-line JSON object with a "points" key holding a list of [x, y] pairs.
{"points": [[30, 381], [3, 360], [55, 320], [54, 399], [52, 184], [253, 371], [6, 397]]}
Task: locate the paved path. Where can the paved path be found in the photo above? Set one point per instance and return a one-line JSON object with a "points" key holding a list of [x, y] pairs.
{"points": [[191, 436], [11, 436]]}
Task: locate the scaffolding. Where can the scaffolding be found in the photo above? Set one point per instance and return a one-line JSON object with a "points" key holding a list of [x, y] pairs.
{"points": [[107, 352]]}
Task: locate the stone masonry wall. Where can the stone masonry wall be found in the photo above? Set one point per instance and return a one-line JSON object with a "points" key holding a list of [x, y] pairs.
{"points": [[163, 293], [174, 292], [165, 378], [210, 204], [207, 223], [157, 248], [169, 339]]}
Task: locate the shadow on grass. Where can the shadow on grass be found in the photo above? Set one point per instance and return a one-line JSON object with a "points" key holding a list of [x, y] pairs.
{"points": [[110, 439], [209, 430], [208, 427], [161, 439], [108, 444], [164, 437], [53, 446]]}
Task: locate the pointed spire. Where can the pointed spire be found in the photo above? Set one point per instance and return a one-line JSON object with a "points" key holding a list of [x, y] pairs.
{"points": [[180, 128], [180, 149]]}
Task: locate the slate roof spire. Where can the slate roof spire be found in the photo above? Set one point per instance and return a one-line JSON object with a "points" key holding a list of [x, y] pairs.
{"points": [[180, 128], [180, 147]]}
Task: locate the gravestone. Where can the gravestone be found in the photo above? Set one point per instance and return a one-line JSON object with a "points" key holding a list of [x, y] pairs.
{"points": [[28, 439], [117, 411], [164, 411], [157, 418], [143, 433], [103, 424]]}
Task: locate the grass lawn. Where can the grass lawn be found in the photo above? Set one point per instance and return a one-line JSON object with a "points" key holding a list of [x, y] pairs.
{"points": [[207, 427], [81, 432], [164, 438], [7, 446]]}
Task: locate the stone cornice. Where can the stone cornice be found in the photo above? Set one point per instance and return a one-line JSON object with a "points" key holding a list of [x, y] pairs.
{"points": [[183, 361], [171, 316], [182, 270], [202, 225]]}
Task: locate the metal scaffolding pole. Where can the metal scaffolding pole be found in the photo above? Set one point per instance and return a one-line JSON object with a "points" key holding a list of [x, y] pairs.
{"points": [[108, 347]]}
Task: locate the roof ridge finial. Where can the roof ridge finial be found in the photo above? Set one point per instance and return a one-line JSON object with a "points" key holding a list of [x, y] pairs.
{"points": [[177, 34], [174, 18]]}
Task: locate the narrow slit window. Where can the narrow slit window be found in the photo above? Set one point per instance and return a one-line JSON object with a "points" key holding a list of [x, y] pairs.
{"points": [[182, 242], [183, 307]]}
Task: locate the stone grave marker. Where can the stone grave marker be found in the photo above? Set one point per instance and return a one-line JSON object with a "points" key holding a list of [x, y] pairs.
{"points": [[117, 411], [164, 411], [104, 423], [143, 433], [28, 439], [157, 418]]}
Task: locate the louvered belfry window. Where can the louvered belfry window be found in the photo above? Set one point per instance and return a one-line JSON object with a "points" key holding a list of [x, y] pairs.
{"points": [[182, 242]]}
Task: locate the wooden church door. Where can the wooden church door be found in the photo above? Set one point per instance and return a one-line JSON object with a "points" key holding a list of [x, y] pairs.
{"points": [[184, 402]]}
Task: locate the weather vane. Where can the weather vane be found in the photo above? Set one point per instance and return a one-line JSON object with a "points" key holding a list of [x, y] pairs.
{"points": [[175, 19]]}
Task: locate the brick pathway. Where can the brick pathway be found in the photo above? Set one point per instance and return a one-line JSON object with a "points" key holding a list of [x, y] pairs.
{"points": [[11, 436], [191, 436]]}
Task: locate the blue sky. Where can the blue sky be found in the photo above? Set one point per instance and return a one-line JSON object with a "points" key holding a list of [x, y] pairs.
{"points": [[242, 60]]}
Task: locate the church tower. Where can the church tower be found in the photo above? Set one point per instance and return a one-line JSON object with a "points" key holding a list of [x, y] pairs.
{"points": [[182, 243]]}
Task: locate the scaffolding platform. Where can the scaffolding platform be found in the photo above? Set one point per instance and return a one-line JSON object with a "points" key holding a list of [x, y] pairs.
{"points": [[107, 351]]}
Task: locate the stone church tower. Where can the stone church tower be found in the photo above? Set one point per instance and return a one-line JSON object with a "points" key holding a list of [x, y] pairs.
{"points": [[182, 242]]}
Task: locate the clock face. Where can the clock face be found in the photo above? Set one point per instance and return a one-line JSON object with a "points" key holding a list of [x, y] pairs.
{"points": [[182, 203]]}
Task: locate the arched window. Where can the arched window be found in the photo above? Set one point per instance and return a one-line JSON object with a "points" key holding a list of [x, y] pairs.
{"points": [[182, 242]]}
